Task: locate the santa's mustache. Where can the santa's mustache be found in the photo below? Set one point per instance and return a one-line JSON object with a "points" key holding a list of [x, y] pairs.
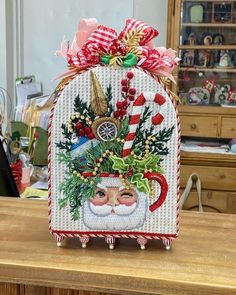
{"points": [[105, 210]]}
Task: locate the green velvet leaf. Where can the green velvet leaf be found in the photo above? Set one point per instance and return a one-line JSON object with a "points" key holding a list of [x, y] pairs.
{"points": [[130, 60]]}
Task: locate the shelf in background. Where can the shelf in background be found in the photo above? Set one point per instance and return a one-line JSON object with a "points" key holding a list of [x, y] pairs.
{"points": [[209, 109], [226, 25], [226, 47], [199, 69], [206, 159]]}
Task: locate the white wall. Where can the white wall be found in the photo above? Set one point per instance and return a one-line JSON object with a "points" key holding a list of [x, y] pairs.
{"points": [[3, 58], [154, 12], [44, 23]]}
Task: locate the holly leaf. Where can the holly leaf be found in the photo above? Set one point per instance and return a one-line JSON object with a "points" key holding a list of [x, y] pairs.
{"points": [[149, 163], [119, 164], [141, 183]]}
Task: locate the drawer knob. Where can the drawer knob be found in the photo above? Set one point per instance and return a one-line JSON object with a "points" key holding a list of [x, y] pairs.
{"points": [[193, 126]]}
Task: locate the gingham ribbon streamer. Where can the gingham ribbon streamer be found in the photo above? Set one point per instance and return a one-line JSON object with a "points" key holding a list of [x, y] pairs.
{"points": [[148, 32]]}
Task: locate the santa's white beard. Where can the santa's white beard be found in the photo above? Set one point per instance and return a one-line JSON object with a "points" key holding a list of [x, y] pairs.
{"points": [[123, 218]]}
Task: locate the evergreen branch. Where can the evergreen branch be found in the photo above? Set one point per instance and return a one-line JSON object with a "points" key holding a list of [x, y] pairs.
{"points": [[82, 108], [162, 137], [140, 136], [66, 144], [75, 193]]}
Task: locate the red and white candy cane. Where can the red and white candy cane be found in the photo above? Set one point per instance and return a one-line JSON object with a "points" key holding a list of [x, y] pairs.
{"points": [[138, 107]]}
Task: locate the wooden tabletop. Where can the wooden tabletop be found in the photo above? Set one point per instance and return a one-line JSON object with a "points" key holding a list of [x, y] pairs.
{"points": [[202, 260]]}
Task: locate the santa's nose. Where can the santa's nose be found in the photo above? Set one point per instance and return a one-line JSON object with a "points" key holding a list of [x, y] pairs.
{"points": [[112, 199]]}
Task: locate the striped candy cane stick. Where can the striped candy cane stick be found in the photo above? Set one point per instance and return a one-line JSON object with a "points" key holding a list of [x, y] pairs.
{"points": [[135, 117]]}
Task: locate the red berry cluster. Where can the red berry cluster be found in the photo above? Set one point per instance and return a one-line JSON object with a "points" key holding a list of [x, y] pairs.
{"points": [[127, 92], [121, 109], [84, 131], [128, 95]]}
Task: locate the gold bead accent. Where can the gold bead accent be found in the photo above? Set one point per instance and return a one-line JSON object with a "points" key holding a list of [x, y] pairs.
{"points": [[150, 170], [96, 169], [77, 116], [149, 138], [85, 180], [94, 172], [145, 171], [147, 151], [91, 182], [111, 153], [90, 122], [74, 172], [135, 157], [78, 174], [98, 164], [122, 140], [82, 117], [73, 117], [139, 157], [146, 146], [118, 139], [147, 142], [87, 119], [82, 177], [120, 176], [153, 138], [71, 130], [100, 160], [132, 153]]}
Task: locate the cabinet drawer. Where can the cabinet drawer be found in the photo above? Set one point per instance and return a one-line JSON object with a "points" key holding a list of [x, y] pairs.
{"points": [[212, 201], [199, 126], [228, 127], [212, 178]]}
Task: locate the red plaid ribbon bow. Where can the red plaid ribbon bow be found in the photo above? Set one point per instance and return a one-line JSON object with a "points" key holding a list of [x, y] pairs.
{"points": [[92, 43]]}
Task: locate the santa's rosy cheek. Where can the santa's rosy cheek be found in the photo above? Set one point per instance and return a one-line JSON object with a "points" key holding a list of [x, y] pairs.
{"points": [[98, 201], [127, 201]]}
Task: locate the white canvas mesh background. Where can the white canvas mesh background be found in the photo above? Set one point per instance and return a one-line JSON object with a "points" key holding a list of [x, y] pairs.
{"points": [[162, 220]]}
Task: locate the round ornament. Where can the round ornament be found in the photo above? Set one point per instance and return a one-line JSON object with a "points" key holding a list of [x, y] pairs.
{"points": [[106, 128]]}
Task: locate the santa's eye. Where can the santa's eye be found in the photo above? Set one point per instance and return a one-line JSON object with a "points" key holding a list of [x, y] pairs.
{"points": [[100, 194], [126, 195]]}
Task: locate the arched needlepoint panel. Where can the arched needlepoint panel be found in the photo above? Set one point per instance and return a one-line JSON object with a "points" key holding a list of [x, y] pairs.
{"points": [[114, 157]]}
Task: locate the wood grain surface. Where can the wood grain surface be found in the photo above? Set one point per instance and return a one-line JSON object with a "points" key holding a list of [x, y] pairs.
{"points": [[202, 260]]}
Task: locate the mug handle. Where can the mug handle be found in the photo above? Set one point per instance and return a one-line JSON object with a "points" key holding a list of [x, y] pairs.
{"points": [[164, 188]]}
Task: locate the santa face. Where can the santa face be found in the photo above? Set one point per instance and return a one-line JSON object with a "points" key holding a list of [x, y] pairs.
{"points": [[114, 207]]}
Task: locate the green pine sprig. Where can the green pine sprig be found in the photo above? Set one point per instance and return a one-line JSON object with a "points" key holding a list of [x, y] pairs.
{"points": [[82, 108], [66, 143], [76, 192], [139, 139], [162, 137]]}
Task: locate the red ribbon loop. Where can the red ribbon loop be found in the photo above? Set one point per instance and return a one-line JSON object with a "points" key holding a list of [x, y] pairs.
{"points": [[102, 40]]}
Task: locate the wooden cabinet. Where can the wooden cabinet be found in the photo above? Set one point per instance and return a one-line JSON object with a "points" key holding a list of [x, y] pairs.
{"points": [[218, 179], [207, 121], [217, 172], [205, 83]]}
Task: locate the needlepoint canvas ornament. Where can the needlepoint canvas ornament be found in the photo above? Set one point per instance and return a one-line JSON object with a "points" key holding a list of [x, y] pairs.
{"points": [[114, 139]]}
